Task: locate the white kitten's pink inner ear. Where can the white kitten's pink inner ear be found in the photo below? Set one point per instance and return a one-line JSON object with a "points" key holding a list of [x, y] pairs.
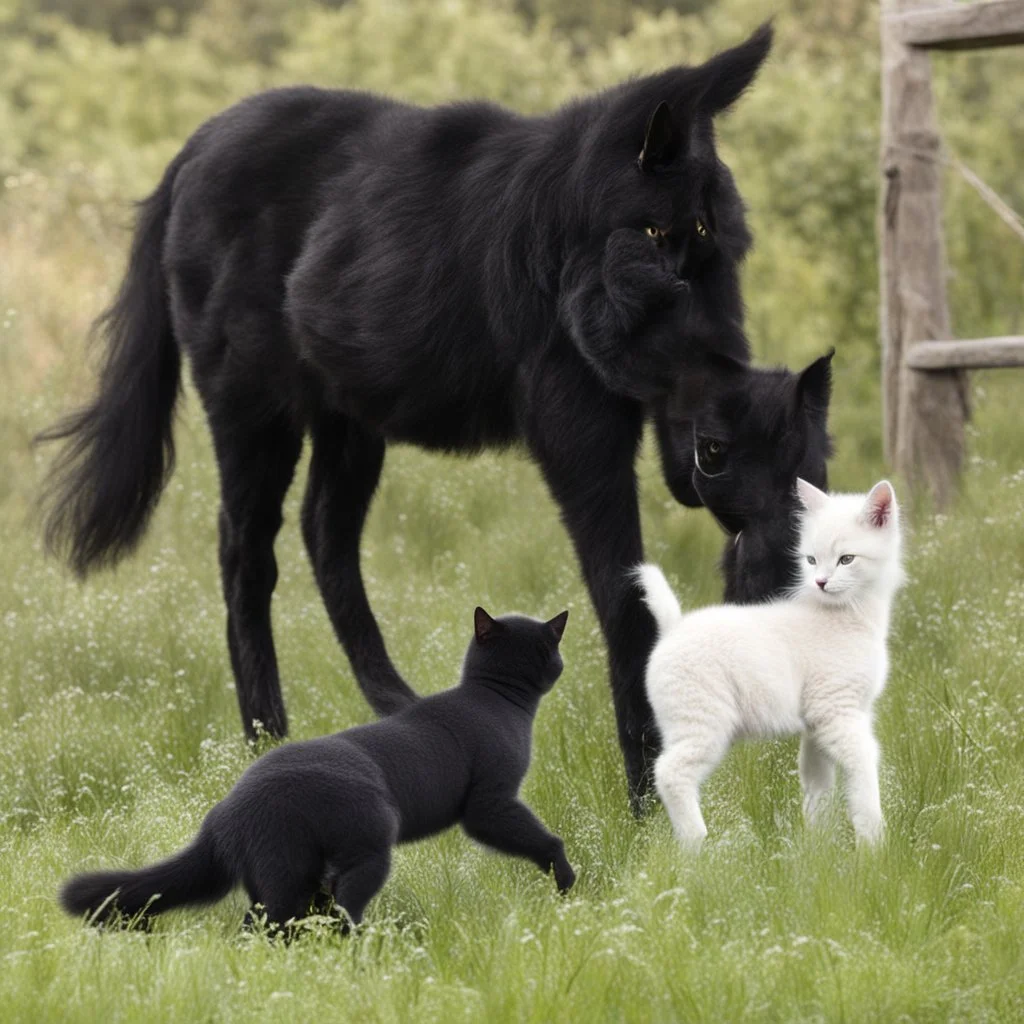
{"points": [[880, 504], [810, 497]]}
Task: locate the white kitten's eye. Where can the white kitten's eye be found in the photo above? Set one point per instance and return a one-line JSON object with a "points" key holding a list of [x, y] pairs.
{"points": [[811, 560], [846, 559]]}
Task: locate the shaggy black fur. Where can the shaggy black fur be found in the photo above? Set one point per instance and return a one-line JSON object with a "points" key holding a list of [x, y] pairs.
{"points": [[366, 272], [323, 815]]}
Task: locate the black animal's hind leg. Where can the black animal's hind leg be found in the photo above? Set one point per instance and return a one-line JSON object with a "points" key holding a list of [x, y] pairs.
{"points": [[283, 877], [283, 899], [343, 476], [586, 442], [355, 887], [256, 467]]}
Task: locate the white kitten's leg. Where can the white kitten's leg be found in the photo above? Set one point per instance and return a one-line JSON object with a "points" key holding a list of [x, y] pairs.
{"points": [[851, 742], [678, 774], [817, 776]]}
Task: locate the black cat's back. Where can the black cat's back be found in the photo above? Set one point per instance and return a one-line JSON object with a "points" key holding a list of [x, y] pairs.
{"points": [[318, 793], [420, 762], [434, 753]]}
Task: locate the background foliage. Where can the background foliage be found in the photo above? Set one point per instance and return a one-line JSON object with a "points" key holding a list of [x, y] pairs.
{"points": [[117, 721], [99, 118]]}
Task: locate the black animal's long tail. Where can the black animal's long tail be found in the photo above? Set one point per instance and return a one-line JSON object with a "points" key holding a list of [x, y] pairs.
{"points": [[119, 450], [194, 875]]}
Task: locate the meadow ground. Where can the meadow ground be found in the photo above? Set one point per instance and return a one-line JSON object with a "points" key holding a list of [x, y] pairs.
{"points": [[119, 729]]}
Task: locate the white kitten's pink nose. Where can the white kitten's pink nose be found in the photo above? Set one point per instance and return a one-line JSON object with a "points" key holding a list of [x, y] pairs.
{"points": [[821, 581]]}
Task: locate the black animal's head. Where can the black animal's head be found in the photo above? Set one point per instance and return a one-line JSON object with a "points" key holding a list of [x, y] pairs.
{"points": [[735, 438], [651, 168], [516, 650]]}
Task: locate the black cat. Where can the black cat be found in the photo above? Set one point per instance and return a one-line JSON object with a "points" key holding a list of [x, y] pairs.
{"points": [[322, 815], [365, 272]]}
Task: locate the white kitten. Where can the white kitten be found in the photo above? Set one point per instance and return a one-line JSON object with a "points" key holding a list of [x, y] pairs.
{"points": [[812, 663]]}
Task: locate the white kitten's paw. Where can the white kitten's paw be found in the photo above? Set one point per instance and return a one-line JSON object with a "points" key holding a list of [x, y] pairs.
{"points": [[814, 807], [870, 831], [692, 840]]}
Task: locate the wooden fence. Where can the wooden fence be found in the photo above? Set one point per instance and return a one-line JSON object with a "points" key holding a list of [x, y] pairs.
{"points": [[925, 401]]}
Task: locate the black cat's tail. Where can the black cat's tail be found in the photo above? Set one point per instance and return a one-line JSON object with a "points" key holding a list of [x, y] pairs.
{"points": [[119, 449], [194, 875]]}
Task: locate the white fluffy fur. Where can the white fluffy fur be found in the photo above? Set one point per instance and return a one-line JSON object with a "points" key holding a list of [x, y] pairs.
{"points": [[813, 663]]}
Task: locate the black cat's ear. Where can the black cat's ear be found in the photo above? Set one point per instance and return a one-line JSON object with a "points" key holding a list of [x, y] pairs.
{"points": [[728, 74], [558, 624], [814, 387], [483, 625], [661, 139]]}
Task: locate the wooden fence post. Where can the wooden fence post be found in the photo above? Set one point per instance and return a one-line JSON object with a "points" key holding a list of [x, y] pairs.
{"points": [[924, 413]]}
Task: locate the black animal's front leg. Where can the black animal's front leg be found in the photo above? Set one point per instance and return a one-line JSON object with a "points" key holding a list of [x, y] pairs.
{"points": [[586, 442], [343, 476], [511, 827]]}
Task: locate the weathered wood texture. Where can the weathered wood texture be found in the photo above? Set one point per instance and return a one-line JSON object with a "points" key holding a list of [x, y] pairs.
{"points": [[980, 354], [962, 26], [924, 414]]}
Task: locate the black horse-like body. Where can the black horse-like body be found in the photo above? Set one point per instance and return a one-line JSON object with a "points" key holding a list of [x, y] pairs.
{"points": [[339, 265]]}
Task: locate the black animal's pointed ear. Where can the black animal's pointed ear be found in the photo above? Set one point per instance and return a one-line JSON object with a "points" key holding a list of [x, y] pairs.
{"points": [[558, 624], [661, 139], [724, 77], [814, 386], [483, 625]]}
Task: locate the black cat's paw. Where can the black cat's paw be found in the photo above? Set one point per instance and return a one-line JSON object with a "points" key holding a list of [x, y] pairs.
{"points": [[565, 877]]}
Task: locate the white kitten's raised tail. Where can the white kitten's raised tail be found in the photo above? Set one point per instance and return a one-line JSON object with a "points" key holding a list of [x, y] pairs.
{"points": [[813, 663]]}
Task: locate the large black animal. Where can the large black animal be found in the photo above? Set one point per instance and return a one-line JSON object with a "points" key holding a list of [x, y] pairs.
{"points": [[364, 271]]}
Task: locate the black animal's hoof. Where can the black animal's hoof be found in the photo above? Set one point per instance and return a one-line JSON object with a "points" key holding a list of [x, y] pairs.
{"points": [[263, 737]]}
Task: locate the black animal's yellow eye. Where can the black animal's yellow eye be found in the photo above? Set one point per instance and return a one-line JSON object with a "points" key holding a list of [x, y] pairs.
{"points": [[714, 447], [653, 232], [701, 228]]}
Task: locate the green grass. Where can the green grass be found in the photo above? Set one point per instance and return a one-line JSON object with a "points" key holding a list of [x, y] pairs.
{"points": [[119, 729]]}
